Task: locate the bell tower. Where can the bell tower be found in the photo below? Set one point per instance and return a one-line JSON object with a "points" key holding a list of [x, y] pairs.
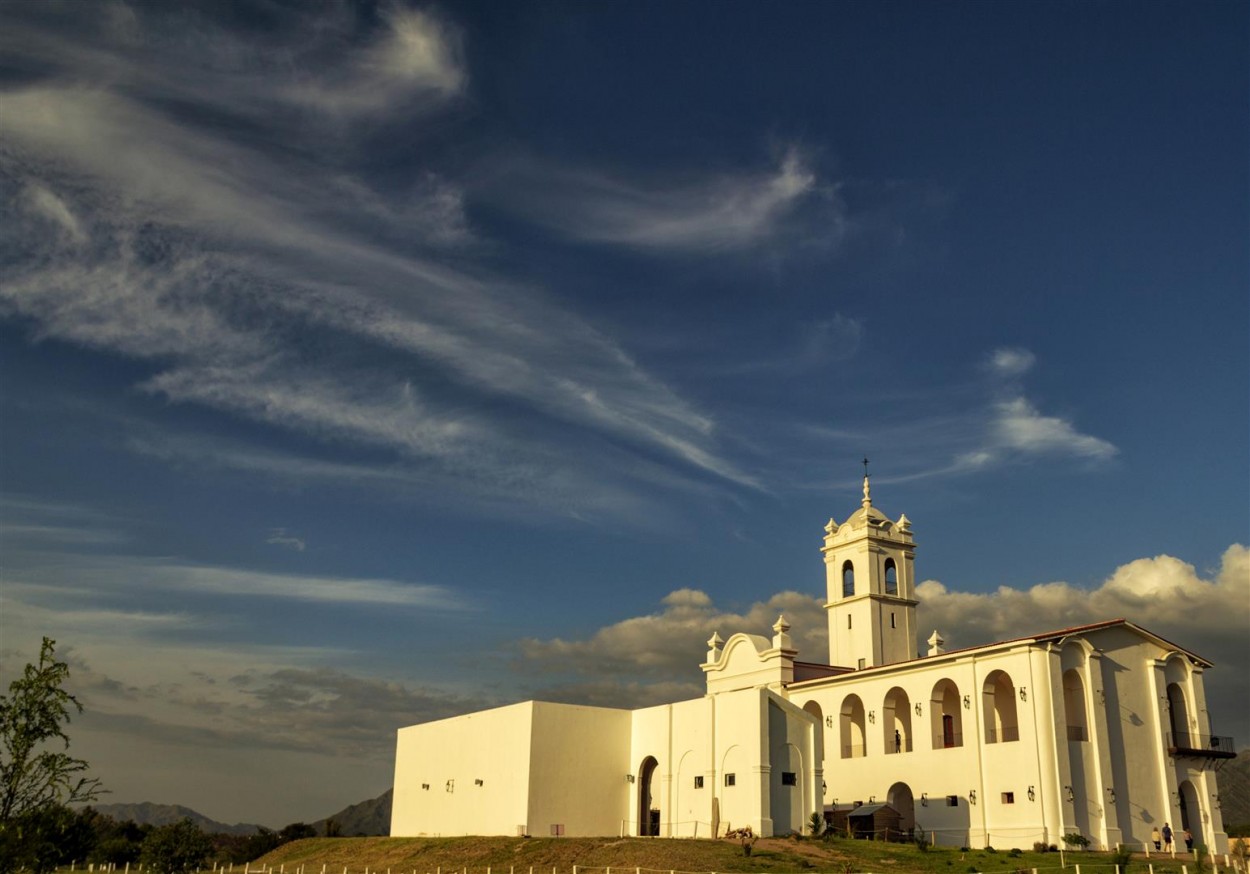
{"points": [[871, 583]]}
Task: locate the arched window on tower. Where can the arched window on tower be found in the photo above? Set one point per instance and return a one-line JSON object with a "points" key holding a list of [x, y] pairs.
{"points": [[848, 580], [891, 577]]}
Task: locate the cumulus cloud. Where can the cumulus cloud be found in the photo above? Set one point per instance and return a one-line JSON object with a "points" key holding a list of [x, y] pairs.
{"points": [[645, 657], [673, 641]]}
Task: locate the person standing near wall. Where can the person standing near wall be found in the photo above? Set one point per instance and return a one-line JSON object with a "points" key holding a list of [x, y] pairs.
{"points": [[1167, 837], [1157, 838]]}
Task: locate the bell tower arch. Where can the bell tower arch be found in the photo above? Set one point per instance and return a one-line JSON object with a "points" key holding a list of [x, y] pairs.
{"points": [[871, 601]]}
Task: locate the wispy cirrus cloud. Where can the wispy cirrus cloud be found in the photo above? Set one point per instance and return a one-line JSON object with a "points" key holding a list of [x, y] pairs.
{"points": [[212, 256], [973, 426], [701, 215]]}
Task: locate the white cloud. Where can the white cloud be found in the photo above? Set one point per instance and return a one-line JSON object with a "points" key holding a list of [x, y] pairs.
{"points": [[43, 202], [415, 53], [1163, 594], [1019, 427], [1008, 361], [280, 537], [713, 213], [211, 259]]}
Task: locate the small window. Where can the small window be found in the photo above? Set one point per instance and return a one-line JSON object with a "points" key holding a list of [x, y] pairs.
{"points": [[952, 800], [891, 577], [862, 664], [789, 778], [698, 782], [892, 625], [1009, 798], [848, 621], [731, 779]]}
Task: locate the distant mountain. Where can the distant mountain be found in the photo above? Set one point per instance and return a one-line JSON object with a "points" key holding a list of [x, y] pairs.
{"points": [[148, 813], [372, 817], [1234, 783]]}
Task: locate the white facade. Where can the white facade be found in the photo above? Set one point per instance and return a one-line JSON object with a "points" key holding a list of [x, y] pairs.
{"points": [[1101, 729]]}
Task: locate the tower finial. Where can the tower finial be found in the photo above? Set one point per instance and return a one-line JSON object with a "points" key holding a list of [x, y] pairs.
{"points": [[867, 502]]}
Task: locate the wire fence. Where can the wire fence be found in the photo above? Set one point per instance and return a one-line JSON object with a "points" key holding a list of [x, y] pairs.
{"points": [[1230, 865]]}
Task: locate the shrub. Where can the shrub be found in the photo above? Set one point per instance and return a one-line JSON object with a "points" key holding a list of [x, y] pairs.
{"points": [[1040, 847], [1122, 857], [1077, 840], [816, 824], [922, 842], [1014, 852], [990, 849]]}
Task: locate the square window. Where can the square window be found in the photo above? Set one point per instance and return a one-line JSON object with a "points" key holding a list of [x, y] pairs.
{"points": [[698, 782], [1009, 798], [789, 778], [731, 779], [861, 664], [952, 800]]}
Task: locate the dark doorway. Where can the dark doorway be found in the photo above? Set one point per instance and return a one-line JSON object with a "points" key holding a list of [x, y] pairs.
{"points": [[648, 812]]}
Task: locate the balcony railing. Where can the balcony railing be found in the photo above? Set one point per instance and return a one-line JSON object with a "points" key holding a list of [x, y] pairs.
{"points": [[1194, 745], [904, 747], [1003, 735], [852, 751]]}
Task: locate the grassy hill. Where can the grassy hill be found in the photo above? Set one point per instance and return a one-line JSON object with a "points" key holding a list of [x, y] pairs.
{"points": [[519, 855]]}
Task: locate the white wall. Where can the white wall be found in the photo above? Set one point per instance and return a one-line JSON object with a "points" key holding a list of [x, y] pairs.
{"points": [[577, 764], [448, 756]]}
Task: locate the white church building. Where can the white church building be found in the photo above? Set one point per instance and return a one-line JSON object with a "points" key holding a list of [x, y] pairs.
{"points": [[1100, 730]]}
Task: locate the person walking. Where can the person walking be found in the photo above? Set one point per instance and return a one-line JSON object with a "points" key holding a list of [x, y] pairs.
{"points": [[1167, 838], [1157, 838]]}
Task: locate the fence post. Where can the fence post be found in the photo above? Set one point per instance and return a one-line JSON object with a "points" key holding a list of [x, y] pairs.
{"points": [[1152, 867], [1078, 867]]}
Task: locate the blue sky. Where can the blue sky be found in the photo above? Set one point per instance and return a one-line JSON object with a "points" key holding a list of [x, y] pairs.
{"points": [[367, 364]]}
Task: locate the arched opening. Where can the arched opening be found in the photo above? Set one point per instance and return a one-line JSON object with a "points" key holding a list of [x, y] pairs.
{"points": [[852, 724], [1178, 716], [999, 700], [848, 579], [896, 721], [1074, 705], [945, 715], [1192, 814], [891, 577], [900, 798], [648, 803]]}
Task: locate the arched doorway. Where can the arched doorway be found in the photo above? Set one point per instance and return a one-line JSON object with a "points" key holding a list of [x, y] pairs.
{"points": [[648, 803], [1178, 716], [900, 798], [1191, 814]]}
